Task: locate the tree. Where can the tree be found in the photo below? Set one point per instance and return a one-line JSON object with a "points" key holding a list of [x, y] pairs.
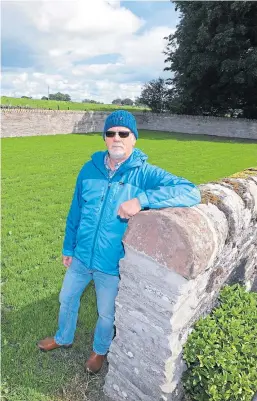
{"points": [[213, 55], [127, 102], [138, 102], [155, 95], [60, 96], [44, 98], [91, 101], [86, 101], [116, 101], [26, 97]]}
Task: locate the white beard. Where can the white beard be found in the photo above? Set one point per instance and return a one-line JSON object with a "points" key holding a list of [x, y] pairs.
{"points": [[117, 154]]}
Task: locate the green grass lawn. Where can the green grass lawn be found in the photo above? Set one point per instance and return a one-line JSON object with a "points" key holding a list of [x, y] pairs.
{"points": [[38, 178], [53, 105]]}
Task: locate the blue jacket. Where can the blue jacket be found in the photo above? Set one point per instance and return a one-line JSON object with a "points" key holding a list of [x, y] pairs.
{"points": [[94, 231]]}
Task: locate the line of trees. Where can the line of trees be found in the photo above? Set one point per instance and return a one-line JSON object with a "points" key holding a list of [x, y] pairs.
{"points": [[213, 58], [66, 98]]}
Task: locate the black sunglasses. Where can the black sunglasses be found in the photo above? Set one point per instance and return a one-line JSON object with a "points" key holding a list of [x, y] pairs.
{"points": [[122, 134]]}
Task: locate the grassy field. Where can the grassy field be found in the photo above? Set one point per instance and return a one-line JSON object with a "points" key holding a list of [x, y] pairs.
{"points": [[53, 105], [37, 183]]}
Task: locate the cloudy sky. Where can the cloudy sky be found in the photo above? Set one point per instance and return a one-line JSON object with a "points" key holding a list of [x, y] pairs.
{"points": [[95, 49]]}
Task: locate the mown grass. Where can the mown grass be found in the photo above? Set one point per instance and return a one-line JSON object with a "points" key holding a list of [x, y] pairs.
{"points": [[37, 183], [59, 105]]}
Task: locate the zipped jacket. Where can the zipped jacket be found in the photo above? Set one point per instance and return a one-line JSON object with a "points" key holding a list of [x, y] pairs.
{"points": [[94, 231]]}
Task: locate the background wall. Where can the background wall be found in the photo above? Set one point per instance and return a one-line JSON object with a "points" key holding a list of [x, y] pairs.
{"points": [[51, 122]]}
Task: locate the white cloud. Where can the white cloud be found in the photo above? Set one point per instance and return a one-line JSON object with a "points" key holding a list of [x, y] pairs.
{"points": [[96, 69], [65, 35], [96, 17], [146, 49]]}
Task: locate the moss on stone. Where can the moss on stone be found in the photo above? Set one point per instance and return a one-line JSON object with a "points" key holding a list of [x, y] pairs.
{"points": [[252, 171], [208, 197]]}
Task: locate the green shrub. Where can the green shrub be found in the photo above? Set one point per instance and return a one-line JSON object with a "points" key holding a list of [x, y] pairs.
{"points": [[221, 353]]}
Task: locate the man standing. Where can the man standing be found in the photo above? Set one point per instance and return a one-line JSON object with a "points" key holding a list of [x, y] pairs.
{"points": [[112, 187]]}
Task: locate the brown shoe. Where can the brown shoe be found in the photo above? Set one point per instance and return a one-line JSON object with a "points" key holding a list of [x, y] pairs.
{"points": [[48, 344], [94, 363]]}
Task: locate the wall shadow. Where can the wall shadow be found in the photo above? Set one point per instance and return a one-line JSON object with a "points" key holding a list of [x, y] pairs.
{"points": [[178, 136]]}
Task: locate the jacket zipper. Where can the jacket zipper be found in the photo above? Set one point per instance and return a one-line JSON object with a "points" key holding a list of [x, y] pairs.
{"points": [[104, 197]]}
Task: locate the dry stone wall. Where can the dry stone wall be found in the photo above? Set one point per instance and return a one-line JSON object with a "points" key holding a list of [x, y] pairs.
{"points": [[49, 122], [176, 262], [25, 122]]}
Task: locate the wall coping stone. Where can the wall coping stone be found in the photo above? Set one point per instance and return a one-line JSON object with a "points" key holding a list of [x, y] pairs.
{"points": [[185, 239]]}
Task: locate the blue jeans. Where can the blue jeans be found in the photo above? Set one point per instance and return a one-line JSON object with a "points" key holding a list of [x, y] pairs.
{"points": [[76, 279]]}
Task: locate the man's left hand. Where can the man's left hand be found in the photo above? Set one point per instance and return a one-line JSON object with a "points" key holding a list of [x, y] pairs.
{"points": [[129, 208]]}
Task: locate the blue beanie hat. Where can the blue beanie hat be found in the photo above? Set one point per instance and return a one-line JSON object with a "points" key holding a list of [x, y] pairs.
{"points": [[121, 118]]}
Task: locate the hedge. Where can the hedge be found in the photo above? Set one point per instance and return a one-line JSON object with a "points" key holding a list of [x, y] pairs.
{"points": [[221, 351]]}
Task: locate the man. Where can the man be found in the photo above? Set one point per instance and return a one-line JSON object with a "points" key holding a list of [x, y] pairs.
{"points": [[112, 187]]}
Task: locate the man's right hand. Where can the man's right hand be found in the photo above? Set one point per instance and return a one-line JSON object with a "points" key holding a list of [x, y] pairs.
{"points": [[66, 260]]}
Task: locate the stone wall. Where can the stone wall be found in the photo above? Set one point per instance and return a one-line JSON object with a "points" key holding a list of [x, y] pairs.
{"points": [[25, 122], [49, 122], [176, 262], [227, 127]]}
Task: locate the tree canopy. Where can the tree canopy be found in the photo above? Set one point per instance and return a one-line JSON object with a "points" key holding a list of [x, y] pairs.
{"points": [[213, 54], [117, 101], [155, 94], [91, 101], [60, 96], [123, 102]]}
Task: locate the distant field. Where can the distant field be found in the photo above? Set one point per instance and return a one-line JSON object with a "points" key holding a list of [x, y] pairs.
{"points": [[53, 105]]}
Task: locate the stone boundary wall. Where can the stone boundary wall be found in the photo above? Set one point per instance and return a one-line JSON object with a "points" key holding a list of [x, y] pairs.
{"points": [[25, 122], [176, 262]]}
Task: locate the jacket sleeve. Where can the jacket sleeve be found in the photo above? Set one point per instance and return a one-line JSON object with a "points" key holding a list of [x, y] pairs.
{"points": [[163, 189], [73, 219]]}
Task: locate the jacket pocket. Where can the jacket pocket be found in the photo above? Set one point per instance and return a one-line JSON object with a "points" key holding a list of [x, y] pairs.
{"points": [[92, 194]]}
